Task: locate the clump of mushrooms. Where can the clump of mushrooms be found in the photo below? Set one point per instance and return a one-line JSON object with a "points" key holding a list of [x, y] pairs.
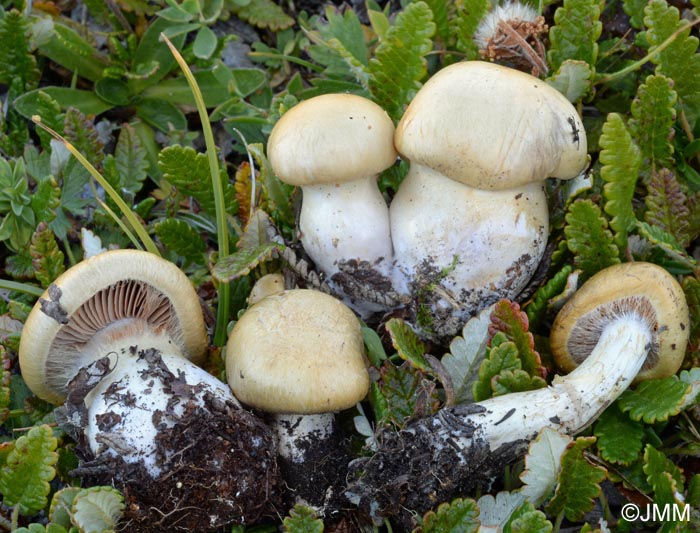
{"points": [[117, 338], [334, 146], [469, 223], [625, 318], [299, 355]]}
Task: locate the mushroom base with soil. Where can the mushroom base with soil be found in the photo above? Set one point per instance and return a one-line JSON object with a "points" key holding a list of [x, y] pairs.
{"points": [[175, 441]]}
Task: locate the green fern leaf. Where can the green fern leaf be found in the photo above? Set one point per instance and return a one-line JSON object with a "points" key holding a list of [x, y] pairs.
{"points": [[468, 14], [573, 79], [655, 400], [635, 11], [16, 62], [679, 61], [620, 438], [575, 33], [5, 374], [131, 159], [459, 515], [263, 14], [24, 480], [579, 482], [405, 393], [526, 519], [440, 17], [80, 131], [181, 238], [302, 519], [189, 172], [399, 62], [502, 356], [654, 113], [98, 509], [621, 162], [47, 258], [507, 318], [663, 475], [537, 307], [407, 344], [666, 206], [668, 244], [589, 239], [50, 112]]}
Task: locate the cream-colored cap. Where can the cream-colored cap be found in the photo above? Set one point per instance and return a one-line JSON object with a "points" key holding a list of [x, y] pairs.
{"points": [[644, 289], [332, 138], [492, 127], [297, 352], [96, 293]]}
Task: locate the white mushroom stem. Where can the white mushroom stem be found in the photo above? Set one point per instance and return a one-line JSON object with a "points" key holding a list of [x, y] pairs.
{"points": [[434, 458], [297, 433]]}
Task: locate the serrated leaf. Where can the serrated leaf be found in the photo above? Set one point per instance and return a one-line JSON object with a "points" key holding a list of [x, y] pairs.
{"points": [[621, 162], [575, 33], [24, 479], [468, 14], [399, 61], [409, 347], [243, 186], [80, 131], [5, 374], [668, 244], [666, 206], [302, 519], [526, 519], [635, 10], [439, 9], [579, 482], [507, 318], [466, 353], [50, 112], [496, 512], [189, 172], [537, 307], [458, 516], [263, 14], [692, 378], [61, 507], [500, 357], [406, 392], [655, 400], [131, 158], [691, 289], [573, 79], [47, 258], [589, 239], [508, 381], [98, 509], [620, 438], [542, 464], [181, 238], [241, 262], [17, 63], [680, 60], [654, 114], [276, 193], [663, 475], [46, 199]]}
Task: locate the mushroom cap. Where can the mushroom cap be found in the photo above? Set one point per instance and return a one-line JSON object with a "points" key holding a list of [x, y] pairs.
{"points": [[109, 288], [332, 138], [644, 289], [299, 351], [492, 127]]}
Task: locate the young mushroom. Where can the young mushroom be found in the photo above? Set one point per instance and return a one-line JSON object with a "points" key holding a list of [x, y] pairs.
{"points": [[469, 222], [115, 339], [299, 355], [625, 318], [333, 146]]}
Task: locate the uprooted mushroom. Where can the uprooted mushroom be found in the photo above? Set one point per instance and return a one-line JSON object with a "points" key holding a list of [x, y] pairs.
{"points": [[115, 339], [469, 223], [624, 319]]}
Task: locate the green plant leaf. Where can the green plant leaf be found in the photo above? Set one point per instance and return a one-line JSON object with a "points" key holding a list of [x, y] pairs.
{"points": [[460, 515], [501, 356], [537, 306], [87, 102], [573, 79], [67, 48], [589, 239], [189, 172], [24, 479], [405, 394], [97, 509], [178, 236], [666, 206], [47, 258], [663, 475], [668, 244], [526, 519], [542, 465], [466, 353], [575, 33], [131, 159], [620, 438], [655, 400], [407, 344], [263, 14], [60, 511], [16, 61], [507, 318], [679, 61], [621, 162], [152, 59], [5, 374], [468, 14], [161, 114], [691, 289], [635, 10], [653, 116], [497, 511], [205, 43], [80, 131], [440, 9], [399, 61], [579, 482]]}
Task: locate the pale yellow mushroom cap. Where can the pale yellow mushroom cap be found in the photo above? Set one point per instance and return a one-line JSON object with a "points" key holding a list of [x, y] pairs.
{"points": [[492, 127], [642, 288], [332, 138], [95, 294], [297, 352]]}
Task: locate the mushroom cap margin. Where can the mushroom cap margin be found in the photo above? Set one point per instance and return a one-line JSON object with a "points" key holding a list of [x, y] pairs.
{"points": [[79, 283]]}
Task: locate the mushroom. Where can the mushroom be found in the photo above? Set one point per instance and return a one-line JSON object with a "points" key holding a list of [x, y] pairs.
{"points": [[625, 318], [299, 355], [116, 338], [469, 223], [333, 146]]}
